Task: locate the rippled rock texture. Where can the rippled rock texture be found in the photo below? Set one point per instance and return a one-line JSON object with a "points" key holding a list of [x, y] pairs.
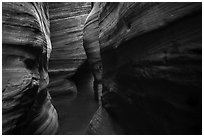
{"points": [[152, 65], [92, 47], [66, 22], [26, 47], [152, 60]]}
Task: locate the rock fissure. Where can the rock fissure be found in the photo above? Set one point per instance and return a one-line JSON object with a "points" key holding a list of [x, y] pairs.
{"points": [[114, 68]]}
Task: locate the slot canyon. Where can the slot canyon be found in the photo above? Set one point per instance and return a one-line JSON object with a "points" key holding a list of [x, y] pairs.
{"points": [[102, 68]]}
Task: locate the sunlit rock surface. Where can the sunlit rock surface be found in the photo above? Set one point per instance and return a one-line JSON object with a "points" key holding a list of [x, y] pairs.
{"points": [[26, 47], [152, 60], [66, 21]]}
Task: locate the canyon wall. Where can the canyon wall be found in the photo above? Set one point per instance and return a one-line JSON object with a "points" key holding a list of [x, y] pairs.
{"points": [[66, 22], [92, 47], [152, 67], [26, 48]]}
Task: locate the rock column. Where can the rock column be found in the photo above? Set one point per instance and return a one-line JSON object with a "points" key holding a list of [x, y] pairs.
{"points": [[92, 48]]}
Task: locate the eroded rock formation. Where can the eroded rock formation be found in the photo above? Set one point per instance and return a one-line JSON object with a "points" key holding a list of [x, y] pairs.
{"points": [[92, 48], [152, 65], [152, 60], [26, 106], [66, 21]]}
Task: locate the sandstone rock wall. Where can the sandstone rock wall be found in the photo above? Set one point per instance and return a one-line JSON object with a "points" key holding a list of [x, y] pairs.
{"points": [[152, 60], [26, 47], [152, 65], [122, 21], [91, 45], [66, 21]]}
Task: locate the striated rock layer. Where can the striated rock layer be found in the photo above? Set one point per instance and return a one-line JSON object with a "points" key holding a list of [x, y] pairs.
{"points": [[91, 45], [66, 21], [152, 60], [120, 22], [26, 47]]}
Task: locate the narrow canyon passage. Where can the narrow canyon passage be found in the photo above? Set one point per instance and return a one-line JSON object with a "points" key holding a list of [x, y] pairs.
{"points": [[144, 59], [75, 114]]}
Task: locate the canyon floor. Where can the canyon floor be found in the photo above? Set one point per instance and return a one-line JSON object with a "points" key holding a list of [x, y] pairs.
{"points": [[75, 115]]}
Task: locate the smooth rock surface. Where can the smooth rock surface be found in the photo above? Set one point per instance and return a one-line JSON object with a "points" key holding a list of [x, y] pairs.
{"points": [[121, 21], [66, 23], [26, 106], [76, 112], [152, 66]]}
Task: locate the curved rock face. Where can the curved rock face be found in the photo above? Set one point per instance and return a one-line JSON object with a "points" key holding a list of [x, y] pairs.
{"points": [[152, 65], [26, 106], [120, 22], [66, 21], [152, 60], [92, 48], [91, 35]]}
